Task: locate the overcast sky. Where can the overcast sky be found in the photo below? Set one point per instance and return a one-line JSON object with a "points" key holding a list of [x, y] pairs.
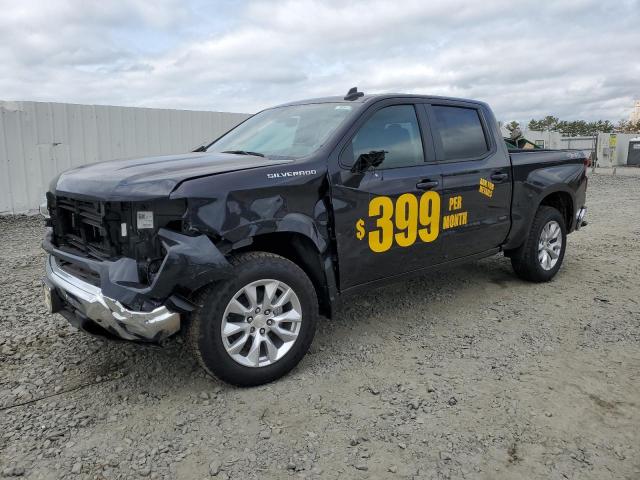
{"points": [[570, 58]]}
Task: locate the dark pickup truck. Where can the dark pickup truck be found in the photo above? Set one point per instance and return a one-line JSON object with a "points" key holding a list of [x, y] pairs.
{"points": [[242, 244]]}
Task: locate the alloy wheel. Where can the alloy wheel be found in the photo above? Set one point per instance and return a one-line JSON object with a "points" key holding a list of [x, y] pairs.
{"points": [[550, 245], [261, 323]]}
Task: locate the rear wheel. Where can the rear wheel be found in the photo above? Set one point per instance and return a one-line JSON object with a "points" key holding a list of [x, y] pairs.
{"points": [[257, 326], [541, 255]]}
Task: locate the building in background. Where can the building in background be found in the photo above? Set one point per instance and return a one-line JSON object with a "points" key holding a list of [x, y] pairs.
{"points": [[543, 139], [635, 113], [633, 157], [586, 144], [613, 149], [605, 149], [555, 141], [546, 139]]}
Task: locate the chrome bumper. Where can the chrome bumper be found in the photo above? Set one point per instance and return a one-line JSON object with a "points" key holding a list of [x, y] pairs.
{"points": [[580, 218], [87, 301]]}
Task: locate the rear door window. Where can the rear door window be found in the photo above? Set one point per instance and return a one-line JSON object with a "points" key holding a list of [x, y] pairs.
{"points": [[460, 132]]}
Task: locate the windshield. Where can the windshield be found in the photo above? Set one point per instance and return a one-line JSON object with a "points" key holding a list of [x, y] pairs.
{"points": [[290, 132]]}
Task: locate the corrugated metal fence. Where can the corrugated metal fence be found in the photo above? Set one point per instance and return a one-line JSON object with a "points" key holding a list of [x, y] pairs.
{"points": [[39, 140]]}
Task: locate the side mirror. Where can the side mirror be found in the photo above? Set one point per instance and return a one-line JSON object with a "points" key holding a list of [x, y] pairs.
{"points": [[367, 160]]}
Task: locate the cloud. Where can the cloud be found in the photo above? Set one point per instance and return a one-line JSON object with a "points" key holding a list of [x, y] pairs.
{"points": [[573, 59]]}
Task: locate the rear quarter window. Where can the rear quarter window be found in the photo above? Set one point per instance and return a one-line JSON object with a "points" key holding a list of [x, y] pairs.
{"points": [[460, 131]]}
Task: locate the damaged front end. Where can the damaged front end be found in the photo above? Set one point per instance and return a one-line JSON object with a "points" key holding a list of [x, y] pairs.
{"points": [[125, 269]]}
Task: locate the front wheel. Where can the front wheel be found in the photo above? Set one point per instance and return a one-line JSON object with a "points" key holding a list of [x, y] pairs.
{"points": [[541, 255], [257, 326]]}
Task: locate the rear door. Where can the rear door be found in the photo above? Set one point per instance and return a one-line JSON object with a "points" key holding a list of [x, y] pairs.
{"points": [[476, 191], [387, 216]]}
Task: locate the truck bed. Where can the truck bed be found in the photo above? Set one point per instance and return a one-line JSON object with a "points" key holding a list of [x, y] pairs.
{"points": [[520, 157]]}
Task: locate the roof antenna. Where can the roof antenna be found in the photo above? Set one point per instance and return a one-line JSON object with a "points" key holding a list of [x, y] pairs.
{"points": [[353, 94]]}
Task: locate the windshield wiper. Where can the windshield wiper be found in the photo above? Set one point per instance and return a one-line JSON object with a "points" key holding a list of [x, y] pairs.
{"points": [[244, 152]]}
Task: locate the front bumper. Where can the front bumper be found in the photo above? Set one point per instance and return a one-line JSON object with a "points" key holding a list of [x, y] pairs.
{"points": [[84, 305], [112, 302]]}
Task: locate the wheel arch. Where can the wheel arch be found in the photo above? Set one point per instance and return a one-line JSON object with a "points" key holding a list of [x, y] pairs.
{"points": [[558, 196], [561, 200], [304, 252]]}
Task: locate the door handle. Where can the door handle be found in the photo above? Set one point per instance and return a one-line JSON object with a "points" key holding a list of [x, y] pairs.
{"points": [[499, 176], [427, 184]]}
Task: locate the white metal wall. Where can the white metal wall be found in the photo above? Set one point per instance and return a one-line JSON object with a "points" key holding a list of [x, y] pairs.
{"points": [[586, 144], [39, 140], [579, 143], [551, 140]]}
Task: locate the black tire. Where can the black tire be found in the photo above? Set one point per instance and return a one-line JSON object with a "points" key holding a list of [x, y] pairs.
{"points": [[204, 329], [525, 258]]}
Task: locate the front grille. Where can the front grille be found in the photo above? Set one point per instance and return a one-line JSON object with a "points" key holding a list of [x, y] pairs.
{"points": [[105, 230], [81, 226]]}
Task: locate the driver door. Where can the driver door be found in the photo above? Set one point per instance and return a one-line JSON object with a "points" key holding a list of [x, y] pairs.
{"points": [[387, 214]]}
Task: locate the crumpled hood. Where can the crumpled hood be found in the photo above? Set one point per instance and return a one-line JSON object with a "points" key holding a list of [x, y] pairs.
{"points": [[149, 177]]}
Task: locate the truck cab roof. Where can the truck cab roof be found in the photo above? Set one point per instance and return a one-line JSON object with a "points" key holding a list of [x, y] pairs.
{"points": [[369, 98]]}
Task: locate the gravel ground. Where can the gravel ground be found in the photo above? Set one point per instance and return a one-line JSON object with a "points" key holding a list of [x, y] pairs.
{"points": [[470, 373]]}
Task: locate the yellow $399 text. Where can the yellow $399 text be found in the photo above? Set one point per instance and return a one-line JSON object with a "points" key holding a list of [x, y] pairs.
{"points": [[403, 222]]}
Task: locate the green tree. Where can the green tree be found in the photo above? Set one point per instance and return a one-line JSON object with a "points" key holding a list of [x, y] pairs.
{"points": [[627, 126], [575, 128], [512, 125], [547, 123], [603, 126]]}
